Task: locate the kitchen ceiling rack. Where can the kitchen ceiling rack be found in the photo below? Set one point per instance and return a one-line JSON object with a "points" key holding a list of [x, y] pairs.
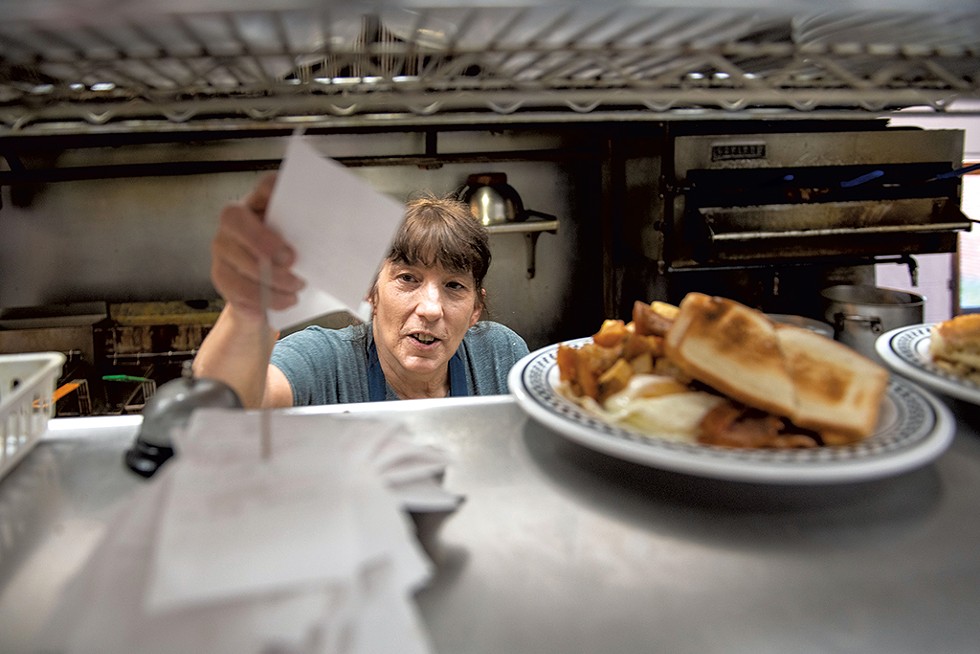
{"points": [[89, 66]]}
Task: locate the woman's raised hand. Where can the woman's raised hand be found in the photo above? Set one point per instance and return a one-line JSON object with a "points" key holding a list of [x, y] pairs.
{"points": [[242, 240]]}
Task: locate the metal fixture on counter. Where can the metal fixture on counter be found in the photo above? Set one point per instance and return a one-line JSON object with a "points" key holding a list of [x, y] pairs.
{"points": [[170, 408]]}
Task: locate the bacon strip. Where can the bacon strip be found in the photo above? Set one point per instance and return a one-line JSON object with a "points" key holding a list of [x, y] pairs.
{"points": [[732, 425]]}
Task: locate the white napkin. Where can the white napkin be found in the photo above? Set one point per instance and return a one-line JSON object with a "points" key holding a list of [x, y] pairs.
{"points": [[339, 226], [101, 610], [406, 467], [222, 552]]}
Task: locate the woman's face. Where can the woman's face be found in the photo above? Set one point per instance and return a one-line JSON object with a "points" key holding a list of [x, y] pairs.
{"points": [[421, 315]]}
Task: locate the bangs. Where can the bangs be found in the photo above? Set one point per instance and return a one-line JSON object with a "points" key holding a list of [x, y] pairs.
{"points": [[442, 233]]}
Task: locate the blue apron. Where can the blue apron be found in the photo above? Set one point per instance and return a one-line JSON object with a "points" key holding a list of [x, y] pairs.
{"points": [[378, 387]]}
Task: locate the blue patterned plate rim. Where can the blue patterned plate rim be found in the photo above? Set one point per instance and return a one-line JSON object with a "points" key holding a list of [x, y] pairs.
{"points": [[914, 428], [906, 351]]}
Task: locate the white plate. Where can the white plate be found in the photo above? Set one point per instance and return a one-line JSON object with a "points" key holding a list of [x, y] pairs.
{"points": [[913, 429], [906, 351]]}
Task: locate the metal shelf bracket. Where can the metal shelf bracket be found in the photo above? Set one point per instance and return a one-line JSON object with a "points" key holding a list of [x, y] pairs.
{"points": [[531, 230]]}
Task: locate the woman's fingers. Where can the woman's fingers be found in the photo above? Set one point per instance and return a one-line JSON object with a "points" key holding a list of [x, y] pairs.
{"points": [[238, 223], [258, 199], [236, 275], [242, 240], [245, 292]]}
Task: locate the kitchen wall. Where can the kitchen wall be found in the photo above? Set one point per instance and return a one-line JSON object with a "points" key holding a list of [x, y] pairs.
{"points": [[147, 238]]}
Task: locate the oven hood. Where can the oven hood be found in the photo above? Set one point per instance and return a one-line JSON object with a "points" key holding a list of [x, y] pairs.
{"points": [[90, 66]]}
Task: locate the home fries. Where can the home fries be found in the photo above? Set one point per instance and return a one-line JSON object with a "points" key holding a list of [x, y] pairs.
{"points": [[717, 372]]}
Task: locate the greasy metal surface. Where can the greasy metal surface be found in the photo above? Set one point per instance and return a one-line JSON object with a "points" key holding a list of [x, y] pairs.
{"points": [[560, 549], [140, 66], [829, 219], [826, 147]]}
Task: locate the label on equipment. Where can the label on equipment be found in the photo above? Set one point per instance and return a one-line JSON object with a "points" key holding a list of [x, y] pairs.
{"points": [[733, 151]]}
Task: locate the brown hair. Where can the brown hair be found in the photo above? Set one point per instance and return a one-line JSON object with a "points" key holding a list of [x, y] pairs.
{"points": [[442, 231]]}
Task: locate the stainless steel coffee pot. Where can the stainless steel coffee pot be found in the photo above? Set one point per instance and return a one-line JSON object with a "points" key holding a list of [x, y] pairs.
{"points": [[492, 200]]}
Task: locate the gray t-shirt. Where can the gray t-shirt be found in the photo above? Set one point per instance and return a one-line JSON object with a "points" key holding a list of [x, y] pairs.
{"points": [[330, 366]]}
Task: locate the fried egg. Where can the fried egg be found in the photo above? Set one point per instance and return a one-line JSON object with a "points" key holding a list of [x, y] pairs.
{"points": [[658, 406]]}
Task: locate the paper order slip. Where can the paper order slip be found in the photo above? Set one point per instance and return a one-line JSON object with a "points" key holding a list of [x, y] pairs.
{"points": [[340, 228]]}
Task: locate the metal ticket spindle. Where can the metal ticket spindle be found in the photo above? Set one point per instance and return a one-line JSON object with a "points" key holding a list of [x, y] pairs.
{"points": [[265, 417]]}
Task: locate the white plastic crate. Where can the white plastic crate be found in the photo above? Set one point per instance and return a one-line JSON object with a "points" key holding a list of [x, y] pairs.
{"points": [[27, 385]]}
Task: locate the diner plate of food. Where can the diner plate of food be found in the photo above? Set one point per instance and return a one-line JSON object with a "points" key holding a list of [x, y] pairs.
{"points": [[716, 389], [942, 356]]}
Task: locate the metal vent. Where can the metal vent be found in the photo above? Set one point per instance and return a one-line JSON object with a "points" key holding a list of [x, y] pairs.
{"points": [[145, 66]]}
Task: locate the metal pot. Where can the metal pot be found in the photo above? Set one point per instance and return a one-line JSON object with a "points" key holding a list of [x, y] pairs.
{"points": [[860, 313], [492, 200], [817, 326]]}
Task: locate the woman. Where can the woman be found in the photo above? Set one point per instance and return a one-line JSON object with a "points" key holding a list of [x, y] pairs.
{"points": [[425, 338]]}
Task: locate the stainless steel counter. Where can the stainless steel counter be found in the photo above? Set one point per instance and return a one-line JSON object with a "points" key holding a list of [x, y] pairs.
{"points": [[560, 549]]}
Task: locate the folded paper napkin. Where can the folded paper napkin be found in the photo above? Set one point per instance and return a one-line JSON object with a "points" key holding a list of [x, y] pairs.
{"points": [[308, 551]]}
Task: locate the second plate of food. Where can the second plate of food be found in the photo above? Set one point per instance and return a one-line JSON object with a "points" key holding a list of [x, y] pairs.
{"points": [[906, 351]]}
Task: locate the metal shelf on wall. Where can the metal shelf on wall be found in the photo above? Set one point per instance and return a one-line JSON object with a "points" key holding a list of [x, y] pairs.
{"points": [[531, 229], [66, 67]]}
